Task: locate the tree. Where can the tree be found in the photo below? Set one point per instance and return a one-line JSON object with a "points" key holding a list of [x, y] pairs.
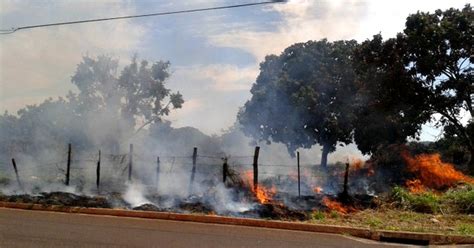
{"points": [[390, 102], [304, 97], [429, 67], [138, 94]]}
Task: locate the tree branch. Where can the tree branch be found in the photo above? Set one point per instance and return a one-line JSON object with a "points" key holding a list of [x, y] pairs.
{"points": [[152, 119]]}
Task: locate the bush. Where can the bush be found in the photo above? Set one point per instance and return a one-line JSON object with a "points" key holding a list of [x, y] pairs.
{"points": [[426, 202], [459, 200], [318, 215]]}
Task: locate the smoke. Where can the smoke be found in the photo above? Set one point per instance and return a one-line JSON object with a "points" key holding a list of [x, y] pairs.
{"points": [[162, 158], [134, 195]]}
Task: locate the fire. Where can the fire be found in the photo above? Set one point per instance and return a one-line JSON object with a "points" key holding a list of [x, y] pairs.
{"points": [[415, 186], [357, 163], [318, 190], [336, 206], [432, 172], [263, 194]]}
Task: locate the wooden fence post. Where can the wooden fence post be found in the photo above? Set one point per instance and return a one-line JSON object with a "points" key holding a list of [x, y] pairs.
{"points": [[345, 192], [98, 174], [16, 174], [68, 169], [299, 178], [255, 168], [130, 163], [157, 172], [225, 168], [193, 171]]}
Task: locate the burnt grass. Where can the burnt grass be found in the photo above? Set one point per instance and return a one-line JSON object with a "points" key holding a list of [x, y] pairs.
{"points": [[366, 211], [297, 209]]}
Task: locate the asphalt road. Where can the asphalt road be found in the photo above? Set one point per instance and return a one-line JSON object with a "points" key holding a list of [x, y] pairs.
{"points": [[21, 228]]}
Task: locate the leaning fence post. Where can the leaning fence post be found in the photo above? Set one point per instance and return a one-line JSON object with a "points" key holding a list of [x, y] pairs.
{"points": [[16, 173], [193, 171], [299, 178], [98, 174], [130, 163], [157, 171], [68, 169], [225, 168], [255, 167]]}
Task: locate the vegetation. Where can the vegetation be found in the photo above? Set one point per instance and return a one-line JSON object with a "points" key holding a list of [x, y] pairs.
{"points": [[401, 220], [459, 200], [377, 93], [304, 97], [445, 213], [427, 69], [107, 107]]}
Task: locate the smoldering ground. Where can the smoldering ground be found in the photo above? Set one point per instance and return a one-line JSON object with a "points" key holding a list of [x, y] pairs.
{"points": [[98, 118]]}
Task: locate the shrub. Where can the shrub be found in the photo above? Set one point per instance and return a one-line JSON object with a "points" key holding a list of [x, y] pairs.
{"points": [[426, 202], [460, 199], [318, 215]]}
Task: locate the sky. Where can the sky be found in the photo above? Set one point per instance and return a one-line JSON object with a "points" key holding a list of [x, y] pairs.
{"points": [[214, 55]]}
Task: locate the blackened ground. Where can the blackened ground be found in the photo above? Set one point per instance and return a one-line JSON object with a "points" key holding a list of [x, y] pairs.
{"points": [[285, 207]]}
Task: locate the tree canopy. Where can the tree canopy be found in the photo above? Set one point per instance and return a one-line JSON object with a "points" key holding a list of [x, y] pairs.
{"points": [[138, 93], [426, 70], [304, 97], [107, 107]]}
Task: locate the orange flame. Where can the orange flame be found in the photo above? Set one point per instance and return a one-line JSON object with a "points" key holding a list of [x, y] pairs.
{"points": [[336, 206], [318, 190], [357, 163], [415, 186], [263, 194], [432, 172]]}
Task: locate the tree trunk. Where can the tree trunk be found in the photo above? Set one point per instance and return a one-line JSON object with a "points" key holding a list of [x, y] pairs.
{"points": [[324, 157]]}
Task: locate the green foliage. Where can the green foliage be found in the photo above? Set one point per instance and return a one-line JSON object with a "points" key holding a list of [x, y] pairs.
{"points": [[466, 229], [304, 97], [426, 70], [426, 202], [335, 214], [318, 215], [374, 222], [459, 200]]}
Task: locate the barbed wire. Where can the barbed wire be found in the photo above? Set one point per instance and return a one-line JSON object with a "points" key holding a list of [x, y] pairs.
{"points": [[119, 164]]}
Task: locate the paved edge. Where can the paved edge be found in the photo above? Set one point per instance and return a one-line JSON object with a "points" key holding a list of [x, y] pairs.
{"points": [[433, 239]]}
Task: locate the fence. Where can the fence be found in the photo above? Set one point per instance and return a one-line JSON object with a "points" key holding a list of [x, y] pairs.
{"points": [[112, 169]]}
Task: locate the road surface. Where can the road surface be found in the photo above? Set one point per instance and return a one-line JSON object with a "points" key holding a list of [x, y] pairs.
{"points": [[22, 228]]}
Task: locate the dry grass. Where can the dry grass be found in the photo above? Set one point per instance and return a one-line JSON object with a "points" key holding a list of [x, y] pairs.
{"points": [[398, 220]]}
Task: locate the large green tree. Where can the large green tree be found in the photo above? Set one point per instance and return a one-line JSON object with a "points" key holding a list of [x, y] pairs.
{"points": [[304, 97], [426, 71]]}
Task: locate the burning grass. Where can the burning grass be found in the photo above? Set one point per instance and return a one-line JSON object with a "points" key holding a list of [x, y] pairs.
{"points": [[432, 173], [336, 206], [448, 212], [434, 198]]}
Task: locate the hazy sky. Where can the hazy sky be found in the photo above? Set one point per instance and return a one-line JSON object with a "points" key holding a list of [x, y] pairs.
{"points": [[214, 55]]}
